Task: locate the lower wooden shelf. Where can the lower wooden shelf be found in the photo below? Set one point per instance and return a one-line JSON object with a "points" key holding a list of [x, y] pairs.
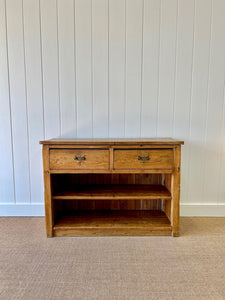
{"points": [[115, 191], [114, 223]]}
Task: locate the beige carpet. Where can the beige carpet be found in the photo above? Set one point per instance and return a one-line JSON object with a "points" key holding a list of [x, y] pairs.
{"points": [[189, 267]]}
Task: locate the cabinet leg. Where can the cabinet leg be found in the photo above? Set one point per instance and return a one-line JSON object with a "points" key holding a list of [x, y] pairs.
{"points": [[175, 233], [176, 192], [49, 213]]}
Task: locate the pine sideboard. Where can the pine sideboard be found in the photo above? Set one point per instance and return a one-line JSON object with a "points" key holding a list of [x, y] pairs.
{"points": [[112, 186]]}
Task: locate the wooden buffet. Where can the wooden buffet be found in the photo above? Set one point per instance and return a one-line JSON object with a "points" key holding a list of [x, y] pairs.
{"points": [[112, 186]]}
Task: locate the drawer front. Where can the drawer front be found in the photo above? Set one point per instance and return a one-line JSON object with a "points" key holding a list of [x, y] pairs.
{"points": [[143, 159], [79, 159]]}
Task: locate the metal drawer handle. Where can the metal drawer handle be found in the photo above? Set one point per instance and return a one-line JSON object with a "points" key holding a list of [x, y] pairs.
{"points": [[80, 158], [143, 158]]}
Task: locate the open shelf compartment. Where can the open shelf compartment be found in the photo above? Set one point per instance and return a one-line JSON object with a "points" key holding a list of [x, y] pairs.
{"points": [[109, 222], [108, 204]]}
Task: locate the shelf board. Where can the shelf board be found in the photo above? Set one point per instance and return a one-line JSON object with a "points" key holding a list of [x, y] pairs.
{"points": [[113, 222], [113, 191]]}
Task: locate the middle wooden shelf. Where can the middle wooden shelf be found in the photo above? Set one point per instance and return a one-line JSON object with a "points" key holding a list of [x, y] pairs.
{"points": [[114, 191]]}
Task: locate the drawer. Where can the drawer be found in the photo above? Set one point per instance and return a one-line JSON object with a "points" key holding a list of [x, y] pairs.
{"points": [[79, 159], [143, 159]]}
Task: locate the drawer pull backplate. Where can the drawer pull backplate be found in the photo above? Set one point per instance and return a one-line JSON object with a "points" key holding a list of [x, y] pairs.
{"points": [[143, 158], [80, 158]]}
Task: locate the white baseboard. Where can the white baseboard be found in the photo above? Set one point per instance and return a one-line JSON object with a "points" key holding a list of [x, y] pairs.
{"points": [[202, 210], [22, 210], [186, 210]]}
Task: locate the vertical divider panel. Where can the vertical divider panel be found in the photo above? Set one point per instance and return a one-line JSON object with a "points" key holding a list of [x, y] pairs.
{"points": [[99, 204], [138, 180], [18, 95], [147, 179], [6, 147], [83, 204], [91, 180], [115, 204], [131, 180], [123, 180], [167, 203], [107, 180], [155, 180]]}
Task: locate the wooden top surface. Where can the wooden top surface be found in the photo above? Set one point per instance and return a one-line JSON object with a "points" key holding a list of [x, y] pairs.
{"points": [[113, 141]]}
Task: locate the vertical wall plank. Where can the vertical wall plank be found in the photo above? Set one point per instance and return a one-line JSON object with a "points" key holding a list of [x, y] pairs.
{"points": [[116, 67], [67, 67], [34, 95], [100, 67], [83, 22], [50, 68], [167, 67], [214, 112], [6, 151], [18, 100], [112, 67], [185, 35], [134, 11], [151, 34], [199, 99]]}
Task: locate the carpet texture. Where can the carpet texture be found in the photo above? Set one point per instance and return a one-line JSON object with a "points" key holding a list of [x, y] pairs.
{"points": [[191, 266]]}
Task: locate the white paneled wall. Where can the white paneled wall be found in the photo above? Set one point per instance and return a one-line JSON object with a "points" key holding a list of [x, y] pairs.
{"points": [[112, 68]]}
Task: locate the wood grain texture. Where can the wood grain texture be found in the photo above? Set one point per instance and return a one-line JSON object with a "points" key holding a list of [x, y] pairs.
{"points": [[113, 141], [115, 204], [131, 159], [113, 223], [92, 193], [175, 188], [113, 191], [49, 212], [167, 205], [66, 159]]}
